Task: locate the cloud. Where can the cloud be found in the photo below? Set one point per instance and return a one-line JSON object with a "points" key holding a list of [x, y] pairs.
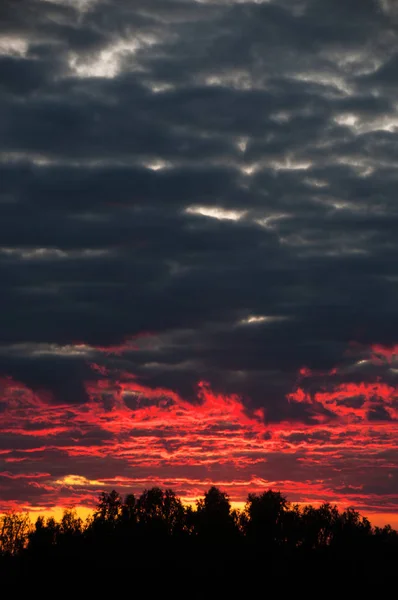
{"points": [[199, 193], [128, 435]]}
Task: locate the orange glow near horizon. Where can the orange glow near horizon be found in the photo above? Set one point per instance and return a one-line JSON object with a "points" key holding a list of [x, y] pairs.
{"points": [[377, 519]]}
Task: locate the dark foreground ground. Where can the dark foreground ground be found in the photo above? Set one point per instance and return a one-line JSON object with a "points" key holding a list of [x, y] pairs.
{"points": [[157, 578]]}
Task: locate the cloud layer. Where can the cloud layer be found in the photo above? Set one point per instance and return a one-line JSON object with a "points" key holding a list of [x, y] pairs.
{"points": [[203, 192]]}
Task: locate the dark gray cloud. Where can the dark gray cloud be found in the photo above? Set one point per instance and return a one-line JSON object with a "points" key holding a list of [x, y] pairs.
{"points": [[93, 94]]}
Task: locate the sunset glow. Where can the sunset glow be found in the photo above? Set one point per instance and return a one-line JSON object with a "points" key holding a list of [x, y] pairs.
{"points": [[130, 436]]}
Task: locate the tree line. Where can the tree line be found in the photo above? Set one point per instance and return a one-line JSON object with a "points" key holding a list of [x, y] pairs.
{"points": [[157, 521]]}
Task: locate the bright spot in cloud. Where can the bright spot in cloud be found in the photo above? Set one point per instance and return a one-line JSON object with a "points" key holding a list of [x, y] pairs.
{"points": [[56, 350], [242, 143], [325, 79], [215, 212], [385, 123], [232, 78], [251, 319], [290, 165], [13, 46], [249, 169], [157, 165], [77, 480], [107, 63], [341, 205], [269, 222], [158, 88], [346, 119]]}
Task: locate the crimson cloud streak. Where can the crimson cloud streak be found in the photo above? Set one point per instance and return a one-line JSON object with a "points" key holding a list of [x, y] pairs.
{"points": [[131, 436]]}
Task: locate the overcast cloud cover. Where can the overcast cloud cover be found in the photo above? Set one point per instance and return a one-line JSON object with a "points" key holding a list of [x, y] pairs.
{"points": [[198, 249]]}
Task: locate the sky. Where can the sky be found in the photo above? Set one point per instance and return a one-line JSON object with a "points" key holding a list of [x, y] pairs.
{"points": [[198, 250]]}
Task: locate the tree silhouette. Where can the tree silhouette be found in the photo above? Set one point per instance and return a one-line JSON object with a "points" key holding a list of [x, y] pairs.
{"points": [[214, 521], [109, 509], [14, 528], [352, 532], [266, 524], [319, 526], [71, 523], [129, 510], [156, 526], [44, 536], [160, 513]]}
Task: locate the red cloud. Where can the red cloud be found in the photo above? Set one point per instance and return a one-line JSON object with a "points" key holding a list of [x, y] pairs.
{"points": [[132, 436], [383, 352]]}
